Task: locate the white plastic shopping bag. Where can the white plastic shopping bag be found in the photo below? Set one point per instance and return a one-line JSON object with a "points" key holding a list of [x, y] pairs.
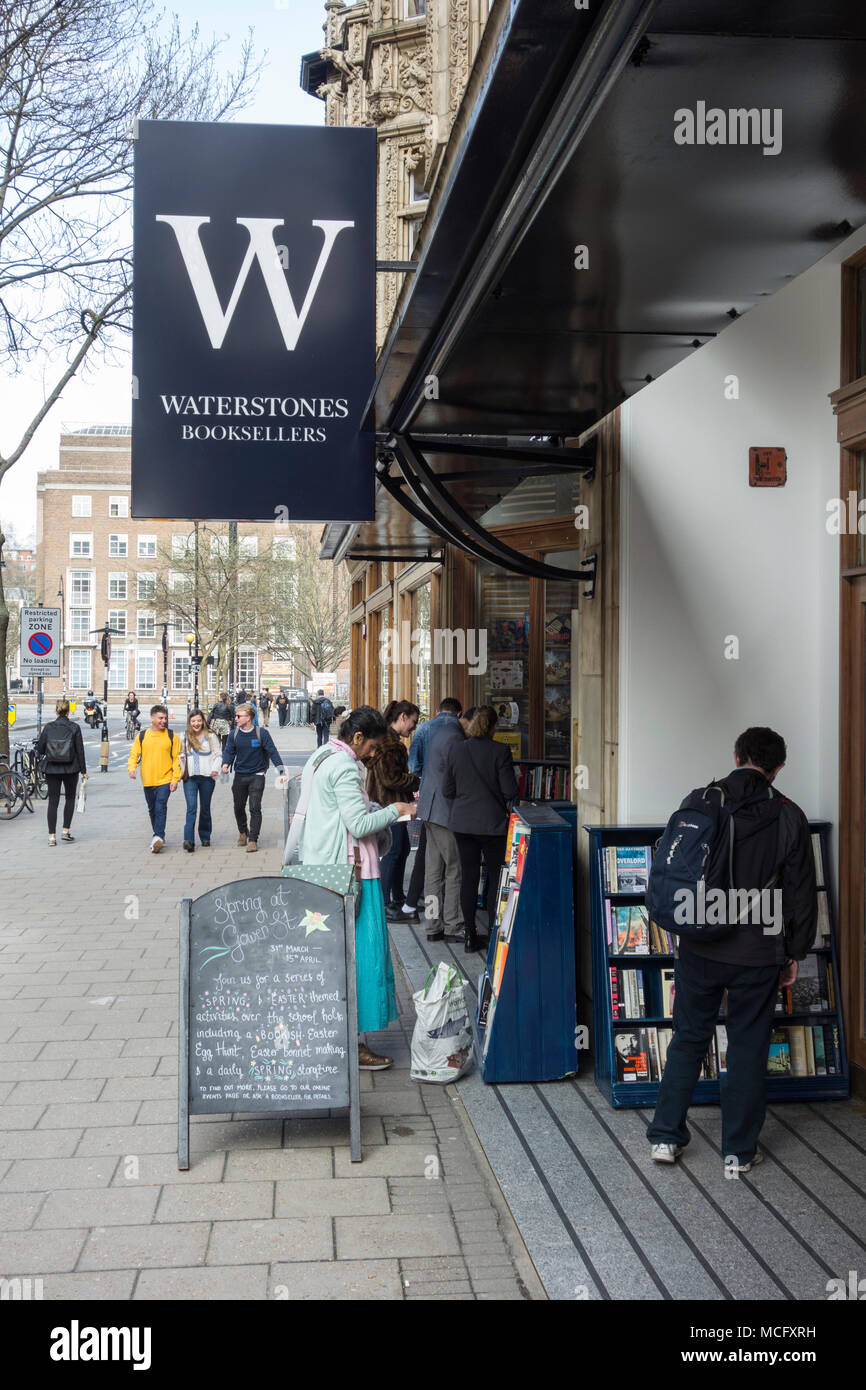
{"points": [[442, 1040], [81, 800]]}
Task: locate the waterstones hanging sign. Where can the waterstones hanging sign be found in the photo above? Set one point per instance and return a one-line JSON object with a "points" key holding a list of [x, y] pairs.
{"points": [[254, 321]]}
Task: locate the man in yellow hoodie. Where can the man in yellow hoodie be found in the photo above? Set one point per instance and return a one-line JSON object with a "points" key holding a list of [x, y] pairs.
{"points": [[158, 751]]}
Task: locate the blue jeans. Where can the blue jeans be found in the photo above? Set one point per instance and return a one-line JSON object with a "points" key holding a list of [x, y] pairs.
{"points": [[157, 805], [393, 865], [323, 734], [699, 983], [193, 788]]}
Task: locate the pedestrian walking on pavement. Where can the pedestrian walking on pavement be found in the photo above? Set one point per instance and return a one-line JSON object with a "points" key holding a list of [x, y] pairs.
{"points": [[249, 749], [322, 716], [771, 846], [442, 877], [222, 718], [282, 706], [389, 780], [62, 746], [158, 750], [201, 756], [479, 782], [338, 821], [265, 703]]}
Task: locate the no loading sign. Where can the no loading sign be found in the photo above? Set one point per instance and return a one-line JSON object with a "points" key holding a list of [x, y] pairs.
{"points": [[40, 641]]}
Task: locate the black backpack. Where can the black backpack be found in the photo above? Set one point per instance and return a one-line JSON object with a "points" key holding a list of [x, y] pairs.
{"points": [[326, 711], [695, 856], [59, 744]]}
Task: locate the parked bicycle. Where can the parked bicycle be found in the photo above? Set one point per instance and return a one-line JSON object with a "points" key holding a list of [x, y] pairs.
{"points": [[13, 793], [31, 769]]}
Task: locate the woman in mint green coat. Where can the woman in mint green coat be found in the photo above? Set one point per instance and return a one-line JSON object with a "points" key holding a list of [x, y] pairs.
{"points": [[339, 819]]}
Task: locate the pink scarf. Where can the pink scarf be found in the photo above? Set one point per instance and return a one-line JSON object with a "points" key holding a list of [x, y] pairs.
{"points": [[367, 845]]}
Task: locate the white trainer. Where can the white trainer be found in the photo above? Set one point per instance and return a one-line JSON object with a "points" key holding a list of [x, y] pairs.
{"points": [[156, 845], [666, 1153]]}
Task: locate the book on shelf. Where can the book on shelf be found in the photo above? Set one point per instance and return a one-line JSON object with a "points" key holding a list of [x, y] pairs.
{"points": [[822, 926], [484, 1001], [628, 930], [513, 820], [521, 858], [819, 858], [805, 1049], [627, 993], [543, 781], [499, 963], [509, 913], [626, 868], [632, 1055], [809, 992], [667, 983]]}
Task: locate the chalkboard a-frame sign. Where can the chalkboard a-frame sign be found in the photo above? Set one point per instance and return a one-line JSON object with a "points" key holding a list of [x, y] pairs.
{"points": [[268, 1004]]}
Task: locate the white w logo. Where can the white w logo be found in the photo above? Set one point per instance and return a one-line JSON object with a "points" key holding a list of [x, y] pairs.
{"points": [[261, 249]]}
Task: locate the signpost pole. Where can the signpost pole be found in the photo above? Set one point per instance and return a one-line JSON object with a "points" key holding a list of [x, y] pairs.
{"points": [[352, 1031], [183, 1039], [39, 705]]}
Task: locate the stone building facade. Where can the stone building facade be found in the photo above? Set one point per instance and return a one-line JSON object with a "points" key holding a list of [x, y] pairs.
{"points": [[401, 66], [98, 564]]}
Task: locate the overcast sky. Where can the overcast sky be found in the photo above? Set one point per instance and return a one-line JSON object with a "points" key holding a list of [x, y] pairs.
{"points": [[286, 29]]}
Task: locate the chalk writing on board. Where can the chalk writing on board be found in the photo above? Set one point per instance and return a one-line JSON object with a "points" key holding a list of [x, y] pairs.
{"points": [[268, 1006]]}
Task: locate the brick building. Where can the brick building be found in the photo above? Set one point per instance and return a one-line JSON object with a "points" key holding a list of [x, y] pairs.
{"points": [[99, 564]]}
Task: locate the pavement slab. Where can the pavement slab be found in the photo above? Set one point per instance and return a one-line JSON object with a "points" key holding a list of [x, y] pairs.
{"points": [[91, 1197]]}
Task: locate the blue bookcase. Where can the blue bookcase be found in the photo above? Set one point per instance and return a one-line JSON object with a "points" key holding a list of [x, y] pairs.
{"points": [[605, 1026], [531, 1023]]}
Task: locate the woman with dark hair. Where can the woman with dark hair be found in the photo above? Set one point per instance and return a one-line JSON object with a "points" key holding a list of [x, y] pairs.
{"points": [[479, 779], [389, 780], [338, 821]]}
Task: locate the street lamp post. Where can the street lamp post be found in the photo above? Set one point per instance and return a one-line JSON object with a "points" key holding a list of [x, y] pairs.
{"points": [[61, 596], [193, 675]]}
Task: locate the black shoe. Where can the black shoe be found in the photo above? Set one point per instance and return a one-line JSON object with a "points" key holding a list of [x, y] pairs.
{"points": [[396, 914], [476, 943], [189, 846], [436, 936], [205, 844]]}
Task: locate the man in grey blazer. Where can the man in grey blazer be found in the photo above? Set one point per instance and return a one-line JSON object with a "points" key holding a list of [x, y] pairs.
{"points": [[442, 869]]}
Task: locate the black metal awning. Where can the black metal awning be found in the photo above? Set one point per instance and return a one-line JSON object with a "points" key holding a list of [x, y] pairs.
{"points": [[570, 141]]}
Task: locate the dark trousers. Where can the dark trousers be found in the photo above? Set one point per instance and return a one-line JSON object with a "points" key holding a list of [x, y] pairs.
{"points": [[393, 865], [252, 787], [323, 734], [283, 715], [157, 806], [751, 1005], [472, 849], [195, 789], [69, 782], [415, 891]]}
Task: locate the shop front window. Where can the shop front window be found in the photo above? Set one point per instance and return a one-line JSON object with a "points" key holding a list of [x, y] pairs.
{"points": [[861, 494], [504, 616], [560, 657], [421, 648]]}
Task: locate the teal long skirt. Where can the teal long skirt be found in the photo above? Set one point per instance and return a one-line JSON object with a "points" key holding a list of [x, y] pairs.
{"points": [[377, 999]]}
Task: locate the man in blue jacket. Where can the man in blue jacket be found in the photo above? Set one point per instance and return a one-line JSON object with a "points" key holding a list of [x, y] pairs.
{"points": [[249, 748]]}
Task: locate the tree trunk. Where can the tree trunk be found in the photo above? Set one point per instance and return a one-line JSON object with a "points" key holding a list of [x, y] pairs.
{"points": [[4, 690]]}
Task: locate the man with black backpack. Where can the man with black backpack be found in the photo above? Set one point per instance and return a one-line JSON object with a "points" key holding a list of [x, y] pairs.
{"points": [[322, 714], [158, 751], [734, 877]]}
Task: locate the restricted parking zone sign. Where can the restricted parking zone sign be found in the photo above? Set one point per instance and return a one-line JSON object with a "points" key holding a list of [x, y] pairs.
{"points": [[40, 641]]}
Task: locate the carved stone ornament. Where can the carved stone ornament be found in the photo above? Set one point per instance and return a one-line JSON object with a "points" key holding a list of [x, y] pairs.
{"points": [[383, 105]]}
